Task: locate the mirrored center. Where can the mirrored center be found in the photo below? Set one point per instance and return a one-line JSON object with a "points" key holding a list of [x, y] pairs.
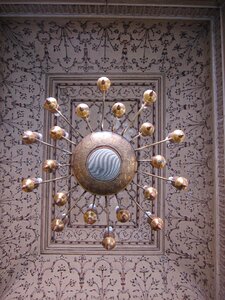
{"points": [[104, 164]]}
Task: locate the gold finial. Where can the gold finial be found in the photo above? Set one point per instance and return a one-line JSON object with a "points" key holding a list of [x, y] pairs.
{"points": [[103, 84], [122, 215], [150, 193], [57, 133], [146, 129], [155, 223], [30, 137], [90, 216], [51, 105], [50, 165], [158, 161], [29, 184], [60, 198], [177, 136], [180, 183], [57, 225], [82, 110], [149, 97], [118, 110]]}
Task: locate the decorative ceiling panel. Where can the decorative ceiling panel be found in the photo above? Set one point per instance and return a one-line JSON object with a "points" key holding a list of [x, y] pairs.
{"points": [[179, 50], [134, 237]]}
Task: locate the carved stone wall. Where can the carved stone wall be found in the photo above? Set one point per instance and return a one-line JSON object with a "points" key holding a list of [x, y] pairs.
{"points": [[32, 50]]}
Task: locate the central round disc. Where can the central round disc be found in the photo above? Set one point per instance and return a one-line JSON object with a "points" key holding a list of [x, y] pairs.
{"points": [[104, 163]]}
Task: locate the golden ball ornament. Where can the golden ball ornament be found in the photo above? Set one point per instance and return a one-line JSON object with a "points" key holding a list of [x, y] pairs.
{"points": [[147, 129], [156, 223], [90, 216], [57, 133], [57, 225], [30, 137], [29, 184], [123, 215], [118, 110], [50, 165], [109, 243], [103, 84], [60, 198], [150, 193], [149, 97], [51, 105], [180, 183], [158, 161], [83, 111], [177, 136]]}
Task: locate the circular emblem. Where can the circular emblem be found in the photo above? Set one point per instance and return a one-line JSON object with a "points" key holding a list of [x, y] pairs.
{"points": [[104, 163]]}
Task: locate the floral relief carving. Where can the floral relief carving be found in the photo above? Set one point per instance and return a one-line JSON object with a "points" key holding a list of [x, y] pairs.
{"points": [[31, 51]]}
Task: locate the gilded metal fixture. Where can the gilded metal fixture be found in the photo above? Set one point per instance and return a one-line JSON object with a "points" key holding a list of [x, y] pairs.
{"points": [[103, 163], [95, 155]]}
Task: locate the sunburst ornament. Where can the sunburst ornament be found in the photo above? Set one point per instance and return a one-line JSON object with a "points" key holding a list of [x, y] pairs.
{"points": [[103, 163]]}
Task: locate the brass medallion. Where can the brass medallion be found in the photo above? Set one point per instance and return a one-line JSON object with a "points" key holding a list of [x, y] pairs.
{"points": [[104, 163]]}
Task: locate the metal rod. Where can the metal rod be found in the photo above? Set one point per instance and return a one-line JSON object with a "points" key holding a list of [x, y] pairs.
{"points": [[103, 111], [88, 123], [69, 140], [141, 187], [107, 212], [154, 144], [153, 175], [118, 202], [68, 122], [72, 207], [135, 137], [64, 165], [144, 160], [139, 206], [132, 121], [55, 147], [93, 203], [57, 178], [114, 125], [72, 189]]}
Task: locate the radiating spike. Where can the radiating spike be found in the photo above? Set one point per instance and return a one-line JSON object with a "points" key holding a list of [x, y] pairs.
{"points": [[151, 145]]}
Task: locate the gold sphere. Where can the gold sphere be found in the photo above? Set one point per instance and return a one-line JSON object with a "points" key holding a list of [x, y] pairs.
{"points": [[57, 133], [146, 129], [103, 84], [57, 225], [150, 193], [50, 165], [180, 183], [158, 161], [155, 223], [51, 104], [109, 243], [123, 215], [118, 110], [90, 216], [30, 137], [29, 184], [149, 97], [177, 136], [82, 110], [60, 198]]}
